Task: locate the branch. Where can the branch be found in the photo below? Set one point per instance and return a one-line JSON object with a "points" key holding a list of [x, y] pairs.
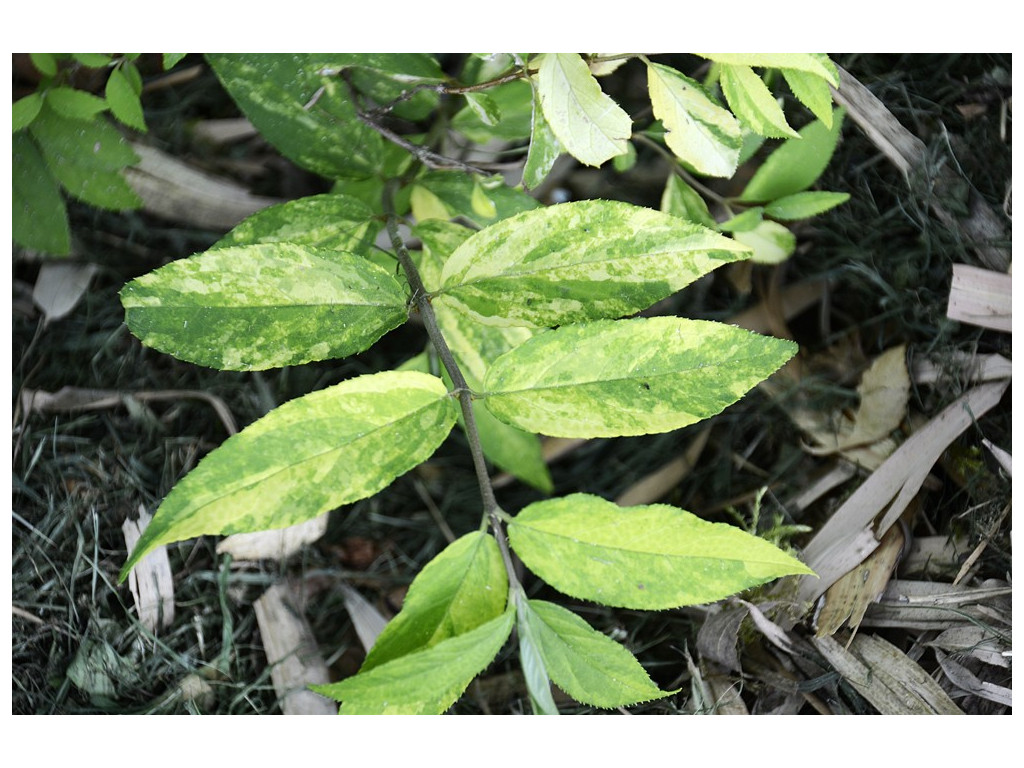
{"points": [[421, 298]]}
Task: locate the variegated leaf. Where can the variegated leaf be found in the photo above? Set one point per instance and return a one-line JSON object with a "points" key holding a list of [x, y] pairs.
{"points": [[588, 123], [752, 102], [700, 132], [649, 557], [308, 456], [578, 261], [264, 306], [817, 64], [629, 377], [300, 105], [338, 222]]}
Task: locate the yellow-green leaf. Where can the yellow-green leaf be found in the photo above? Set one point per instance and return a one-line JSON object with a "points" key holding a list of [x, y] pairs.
{"points": [[817, 64], [264, 306], [629, 377], [306, 457], [475, 346], [588, 123], [771, 242], [589, 666], [460, 589], [650, 557], [812, 91], [423, 683], [579, 261], [752, 102], [700, 132]]}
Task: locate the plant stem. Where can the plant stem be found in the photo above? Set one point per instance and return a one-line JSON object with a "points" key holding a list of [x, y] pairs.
{"points": [[421, 298]]}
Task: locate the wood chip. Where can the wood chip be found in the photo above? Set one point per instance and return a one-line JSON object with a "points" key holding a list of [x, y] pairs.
{"points": [[929, 605], [982, 643], [848, 599], [150, 581], [976, 368], [719, 634], [724, 690], [981, 297], [366, 619], [968, 682], [938, 557], [292, 654], [848, 537], [85, 399], [886, 677], [657, 484], [174, 190], [278, 544]]}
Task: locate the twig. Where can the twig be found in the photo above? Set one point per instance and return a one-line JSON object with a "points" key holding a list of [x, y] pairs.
{"points": [[421, 298]]}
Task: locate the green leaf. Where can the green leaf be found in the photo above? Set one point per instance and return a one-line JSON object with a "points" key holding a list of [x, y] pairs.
{"points": [[171, 59], [86, 158], [92, 60], [817, 64], [423, 683], [395, 162], [337, 222], [650, 557], [484, 107], [511, 449], [479, 200], [629, 377], [699, 132], [393, 88], [308, 456], [743, 222], [132, 75], [579, 261], [682, 200], [771, 242], [426, 206], [24, 111], [45, 63], [39, 219], [623, 163], [74, 104], [264, 306], [460, 589], [796, 164], [306, 115], [588, 123], [124, 101], [752, 102], [544, 148], [813, 92], [510, 101], [803, 205], [587, 665]]}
